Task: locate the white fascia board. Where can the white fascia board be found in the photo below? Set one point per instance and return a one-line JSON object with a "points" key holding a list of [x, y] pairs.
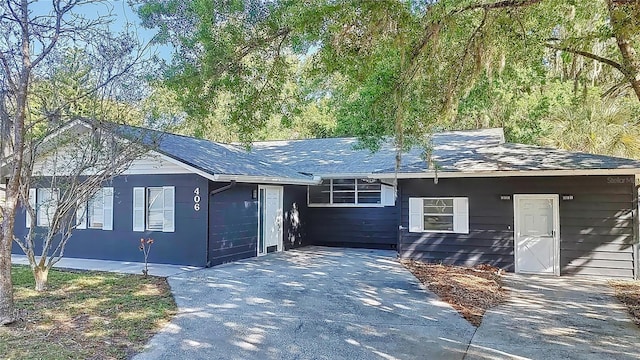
{"points": [[194, 170], [469, 174], [266, 180], [344, 176], [239, 178]]}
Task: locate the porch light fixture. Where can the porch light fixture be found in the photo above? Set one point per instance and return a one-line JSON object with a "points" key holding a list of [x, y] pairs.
{"points": [[254, 194], [567, 197], [505, 197]]}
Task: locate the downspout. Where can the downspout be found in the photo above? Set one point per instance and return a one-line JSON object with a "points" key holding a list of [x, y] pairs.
{"points": [[224, 188], [211, 193]]}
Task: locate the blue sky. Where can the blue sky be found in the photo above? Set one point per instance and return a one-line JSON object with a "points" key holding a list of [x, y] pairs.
{"points": [[123, 15]]}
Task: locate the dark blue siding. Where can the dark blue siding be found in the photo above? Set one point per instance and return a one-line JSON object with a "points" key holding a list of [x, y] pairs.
{"points": [[596, 227], [295, 217], [233, 224], [372, 227], [186, 246]]}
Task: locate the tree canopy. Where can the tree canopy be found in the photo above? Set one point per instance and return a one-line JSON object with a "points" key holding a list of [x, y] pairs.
{"points": [[407, 68]]}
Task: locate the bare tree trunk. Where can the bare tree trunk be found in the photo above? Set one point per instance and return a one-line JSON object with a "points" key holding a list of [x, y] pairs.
{"points": [[41, 275], [623, 25], [7, 311]]}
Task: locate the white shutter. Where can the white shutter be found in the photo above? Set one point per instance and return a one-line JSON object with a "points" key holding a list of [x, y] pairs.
{"points": [[416, 216], [81, 215], [32, 202], [138, 209], [107, 207], [461, 215], [168, 195], [388, 195]]}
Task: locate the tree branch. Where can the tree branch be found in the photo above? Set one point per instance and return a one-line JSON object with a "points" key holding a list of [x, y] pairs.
{"points": [[589, 55]]}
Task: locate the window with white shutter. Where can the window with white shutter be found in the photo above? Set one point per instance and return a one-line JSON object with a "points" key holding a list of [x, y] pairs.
{"points": [[97, 213], [154, 209], [445, 215]]}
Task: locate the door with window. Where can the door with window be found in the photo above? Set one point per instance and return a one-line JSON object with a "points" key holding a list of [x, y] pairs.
{"points": [[269, 219], [537, 234]]}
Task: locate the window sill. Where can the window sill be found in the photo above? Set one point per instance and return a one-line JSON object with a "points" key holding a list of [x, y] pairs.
{"points": [[348, 205]]}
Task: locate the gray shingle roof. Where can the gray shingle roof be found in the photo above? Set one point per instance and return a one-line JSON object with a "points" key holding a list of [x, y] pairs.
{"points": [[517, 157], [456, 151], [211, 157], [470, 152], [334, 156]]}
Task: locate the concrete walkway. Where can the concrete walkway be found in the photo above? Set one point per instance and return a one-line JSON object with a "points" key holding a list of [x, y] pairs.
{"points": [[557, 318], [311, 303], [124, 267]]}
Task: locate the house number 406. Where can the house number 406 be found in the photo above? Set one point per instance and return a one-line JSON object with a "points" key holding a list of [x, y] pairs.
{"points": [[196, 199]]}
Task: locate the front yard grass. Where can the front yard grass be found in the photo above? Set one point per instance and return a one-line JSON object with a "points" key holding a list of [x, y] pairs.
{"points": [[85, 315], [469, 290], [628, 292]]}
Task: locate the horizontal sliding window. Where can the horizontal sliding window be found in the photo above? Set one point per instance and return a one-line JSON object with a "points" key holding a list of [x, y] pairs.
{"points": [[345, 192]]}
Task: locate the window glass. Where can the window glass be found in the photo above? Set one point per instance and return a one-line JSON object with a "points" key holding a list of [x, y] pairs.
{"points": [[155, 208], [95, 211], [369, 191], [441, 223], [344, 197], [320, 194], [438, 214], [438, 206], [346, 191], [344, 185], [45, 206]]}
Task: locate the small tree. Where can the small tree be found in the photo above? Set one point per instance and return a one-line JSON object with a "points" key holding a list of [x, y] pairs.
{"points": [[35, 39], [69, 169]]}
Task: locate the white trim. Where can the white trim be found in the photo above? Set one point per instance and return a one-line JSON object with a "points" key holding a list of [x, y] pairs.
{"points": [[280, 216], [139, 212], [265, 180], [107, 208], [460, 206], [343, 205], [168, 209], [556, 228], [470, 174]]}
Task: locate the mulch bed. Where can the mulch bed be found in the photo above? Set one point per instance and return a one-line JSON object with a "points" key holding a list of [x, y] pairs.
{"points": [[628, 292], [469, 290]]}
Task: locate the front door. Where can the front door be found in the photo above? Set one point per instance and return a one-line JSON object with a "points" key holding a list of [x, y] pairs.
{"points": [[537, 234], [269, 219]]}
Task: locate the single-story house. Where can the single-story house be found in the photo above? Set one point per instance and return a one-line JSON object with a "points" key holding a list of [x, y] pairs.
{"points": [[523, 208]]}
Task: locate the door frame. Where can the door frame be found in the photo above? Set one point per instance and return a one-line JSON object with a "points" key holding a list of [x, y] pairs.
{"points": [[280, 244], [556, 228]]}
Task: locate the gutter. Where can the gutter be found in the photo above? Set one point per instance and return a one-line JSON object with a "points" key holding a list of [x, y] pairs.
{"points": [[504, 173], [224, 188], [266, 180]]}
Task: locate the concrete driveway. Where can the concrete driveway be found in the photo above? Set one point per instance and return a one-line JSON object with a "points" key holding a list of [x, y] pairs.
{"points": [[557, 318], [312, 303]]}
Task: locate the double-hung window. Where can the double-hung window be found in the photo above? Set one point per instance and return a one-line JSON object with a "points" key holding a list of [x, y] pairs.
{"points": [[439, 214], [351, 192], [45, 202], [154, 209], [97, 213]]}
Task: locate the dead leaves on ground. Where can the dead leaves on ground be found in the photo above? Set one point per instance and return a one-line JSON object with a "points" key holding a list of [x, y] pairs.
{"points": [[628, 292], [469, 290]]}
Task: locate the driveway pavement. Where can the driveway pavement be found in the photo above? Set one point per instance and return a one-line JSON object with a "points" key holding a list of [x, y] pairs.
{"points": [[312, 303], [327, 303], [557, 318]]}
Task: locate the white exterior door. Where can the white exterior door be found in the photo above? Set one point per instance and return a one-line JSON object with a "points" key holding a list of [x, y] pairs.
{"points": [[537, 249], [269, 219]]}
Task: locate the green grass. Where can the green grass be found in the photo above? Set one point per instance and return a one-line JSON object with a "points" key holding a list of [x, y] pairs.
{"points": [[85, 315]]}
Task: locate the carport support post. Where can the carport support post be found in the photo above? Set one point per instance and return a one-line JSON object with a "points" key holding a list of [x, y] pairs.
{"points": [[636, 227]]}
